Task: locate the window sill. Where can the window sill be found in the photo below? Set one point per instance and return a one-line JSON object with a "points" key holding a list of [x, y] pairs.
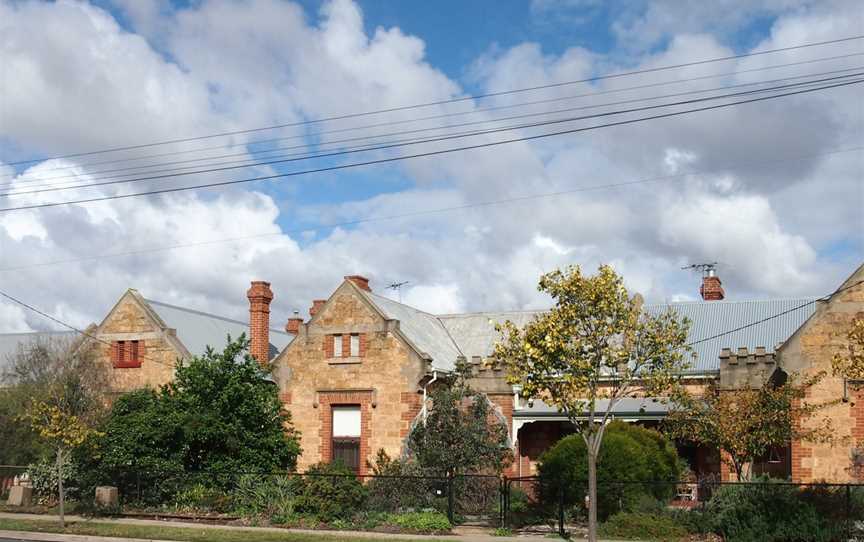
{"points": [[127, 365], [355, 360]]}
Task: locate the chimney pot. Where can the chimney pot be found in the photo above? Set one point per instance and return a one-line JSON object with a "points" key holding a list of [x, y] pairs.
{"points": [[260, 296], [712, 289], [360, 281], [316, 306], [293, 325]]}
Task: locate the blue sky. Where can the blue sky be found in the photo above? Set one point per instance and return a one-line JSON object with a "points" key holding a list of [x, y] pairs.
{"points": [[117, 72]]}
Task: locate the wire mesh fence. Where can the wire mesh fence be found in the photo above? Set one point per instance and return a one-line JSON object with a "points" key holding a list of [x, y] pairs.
{"points": [[703, 506], [530, 504]]}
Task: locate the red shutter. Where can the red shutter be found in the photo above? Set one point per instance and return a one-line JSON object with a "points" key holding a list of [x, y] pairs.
{"points": [[362, 345], [346, 345], [328, 346]]}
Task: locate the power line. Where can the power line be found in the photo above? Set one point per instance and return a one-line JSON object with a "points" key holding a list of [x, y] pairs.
{"points": [[448, 115], [255, 161], [423, 154], [447, 101], [778, 315], [425, 212], [70, 326]]}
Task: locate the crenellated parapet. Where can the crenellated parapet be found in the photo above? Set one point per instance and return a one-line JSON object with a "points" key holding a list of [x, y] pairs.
{"points": [[745, 368]]}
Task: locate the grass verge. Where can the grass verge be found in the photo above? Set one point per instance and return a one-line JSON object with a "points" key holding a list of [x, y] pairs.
{"points": [[185, 534]]}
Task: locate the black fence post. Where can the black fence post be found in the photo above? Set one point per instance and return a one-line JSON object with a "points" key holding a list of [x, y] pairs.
{"points": [[848, 511], [561, 511], [450, 514], [505, 501]]}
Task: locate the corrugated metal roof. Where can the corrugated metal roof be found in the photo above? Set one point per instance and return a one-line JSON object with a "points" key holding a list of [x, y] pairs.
{"points": [[475, 333], [423, 329], [708, 318], [196, 329], [625, 407], [10, 342]]}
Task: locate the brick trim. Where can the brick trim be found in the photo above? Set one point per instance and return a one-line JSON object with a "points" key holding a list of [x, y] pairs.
{"points": [[328, 399], [127, 354]]}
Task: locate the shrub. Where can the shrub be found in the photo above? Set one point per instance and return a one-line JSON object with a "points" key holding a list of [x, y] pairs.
{"points": [[43, 477], [641, 526], [770, 511], [270, 496], [331, 491], [201, 497], [400, 487], [420, 522], [630, 457]]}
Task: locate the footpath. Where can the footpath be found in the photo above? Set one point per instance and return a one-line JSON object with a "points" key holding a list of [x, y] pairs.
{"points": [[460, 534]]}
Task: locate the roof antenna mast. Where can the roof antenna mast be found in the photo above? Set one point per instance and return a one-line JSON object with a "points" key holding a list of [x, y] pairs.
{"points": [[397, 286], [708, 269]]}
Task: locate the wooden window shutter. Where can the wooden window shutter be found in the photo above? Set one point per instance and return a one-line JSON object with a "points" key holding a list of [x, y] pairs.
{"points": [[115, 352]]}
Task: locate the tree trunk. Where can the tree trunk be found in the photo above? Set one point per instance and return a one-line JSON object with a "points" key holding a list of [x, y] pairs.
{"points": [[592, 494], [62, 495]]}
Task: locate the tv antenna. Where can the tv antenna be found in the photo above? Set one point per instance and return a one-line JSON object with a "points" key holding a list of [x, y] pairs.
{"points": [[708, 268], [397, 286]]}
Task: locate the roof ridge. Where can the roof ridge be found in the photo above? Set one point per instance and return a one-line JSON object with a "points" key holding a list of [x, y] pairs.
{"points": [[202, 313], [64, 331]]}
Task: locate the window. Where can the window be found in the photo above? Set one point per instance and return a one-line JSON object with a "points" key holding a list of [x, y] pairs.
{"points": [[355, 345], [346, 436], [127, 354], [337, 346]]}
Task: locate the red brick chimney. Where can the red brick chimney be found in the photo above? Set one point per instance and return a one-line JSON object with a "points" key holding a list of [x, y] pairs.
{"points": [[711, 289], [293, 325], [316, 306], [361, 282], [260, 296]]}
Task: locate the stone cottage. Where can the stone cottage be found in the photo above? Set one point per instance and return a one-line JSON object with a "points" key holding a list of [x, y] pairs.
{"points": [[355, 373]]}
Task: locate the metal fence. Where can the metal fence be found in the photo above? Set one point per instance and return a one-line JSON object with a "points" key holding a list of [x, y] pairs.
{"points": [[529, 502], [526, 503]]}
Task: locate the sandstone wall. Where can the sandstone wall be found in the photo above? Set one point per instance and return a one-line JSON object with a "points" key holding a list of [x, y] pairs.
{"points": [[809, 351], [384, 381], [130, 322]]}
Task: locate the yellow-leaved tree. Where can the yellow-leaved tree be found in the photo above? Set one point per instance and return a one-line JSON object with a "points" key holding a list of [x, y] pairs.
{"points": [[68, 397], [593, 348]]}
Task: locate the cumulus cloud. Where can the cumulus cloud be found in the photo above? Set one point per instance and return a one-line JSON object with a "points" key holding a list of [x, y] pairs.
{"points": [[223, 65]]}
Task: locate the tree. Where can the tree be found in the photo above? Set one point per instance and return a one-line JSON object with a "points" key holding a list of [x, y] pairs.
{"points": [[458, 435], [629, 453], [220, 415], [747, 423], [595, 347], [66, 387], [851, 364]]}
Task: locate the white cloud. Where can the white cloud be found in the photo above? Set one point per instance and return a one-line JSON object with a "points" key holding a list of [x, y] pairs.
{"points": [[220, 65]]}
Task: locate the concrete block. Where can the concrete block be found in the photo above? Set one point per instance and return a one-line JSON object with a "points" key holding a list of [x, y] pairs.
{"points": [[20, 496], [106, 496]]}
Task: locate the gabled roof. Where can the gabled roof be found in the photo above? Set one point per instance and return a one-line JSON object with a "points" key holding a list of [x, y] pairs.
{"points": [[444, 337], [196, 329], [10, 342], [424, 330]]}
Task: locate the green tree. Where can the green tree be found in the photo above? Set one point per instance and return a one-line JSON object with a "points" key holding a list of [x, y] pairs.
{"points": [[629, 454], [66, 387], [221, 414], [459, 434], [595, 347], [850, 364], [747, 423]]}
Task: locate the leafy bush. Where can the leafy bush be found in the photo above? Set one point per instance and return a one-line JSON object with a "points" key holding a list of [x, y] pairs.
{"points": [[220, 415], [331, 491], [770, 511], [630, 458], [200, 497], [641, 526], [400, 487], [43, 477], [268, 496], [420, 522]]}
